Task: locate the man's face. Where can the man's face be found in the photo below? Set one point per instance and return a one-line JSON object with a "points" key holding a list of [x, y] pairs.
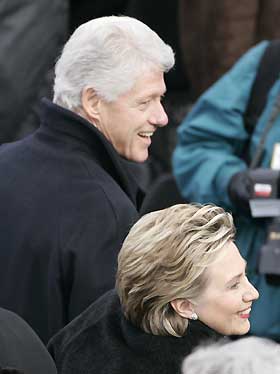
{"points": [[130, 121], [226, 303]]}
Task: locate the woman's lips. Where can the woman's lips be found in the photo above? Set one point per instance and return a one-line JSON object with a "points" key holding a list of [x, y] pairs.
{"points": [[245, 313]]}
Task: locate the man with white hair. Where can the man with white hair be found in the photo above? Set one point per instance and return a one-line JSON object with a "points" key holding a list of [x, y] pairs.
{"points": [[250, 355], [67, 201]]}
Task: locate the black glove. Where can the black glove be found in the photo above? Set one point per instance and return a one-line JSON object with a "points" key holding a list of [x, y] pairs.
{"points": [[239, 190]]}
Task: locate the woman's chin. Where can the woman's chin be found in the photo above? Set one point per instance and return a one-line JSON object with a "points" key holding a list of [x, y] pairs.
{"points": [[243, 329]]}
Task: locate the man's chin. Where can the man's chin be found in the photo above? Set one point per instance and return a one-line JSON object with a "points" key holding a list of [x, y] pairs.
{"points": [[137, 158]]}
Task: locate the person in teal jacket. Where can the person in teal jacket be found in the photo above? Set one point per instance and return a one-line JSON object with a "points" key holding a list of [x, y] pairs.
{"points": [[209, 166]]}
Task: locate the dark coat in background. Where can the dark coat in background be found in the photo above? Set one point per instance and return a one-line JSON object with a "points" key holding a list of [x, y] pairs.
{"points": [[102, 341], [32, 35], [20, 347], [67, 202]]}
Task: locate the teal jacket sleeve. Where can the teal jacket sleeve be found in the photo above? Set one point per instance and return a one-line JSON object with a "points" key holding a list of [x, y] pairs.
{"points": [[212, 137]]}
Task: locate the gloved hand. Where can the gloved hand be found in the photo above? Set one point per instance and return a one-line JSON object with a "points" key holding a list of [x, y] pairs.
{"points": [[239, 191]]}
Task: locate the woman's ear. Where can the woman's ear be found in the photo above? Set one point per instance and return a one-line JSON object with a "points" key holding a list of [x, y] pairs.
{"points": [[90, 103], [183, 307]]}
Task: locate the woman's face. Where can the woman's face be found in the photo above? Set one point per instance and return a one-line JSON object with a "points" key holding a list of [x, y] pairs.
{"points": [[226, 303]]}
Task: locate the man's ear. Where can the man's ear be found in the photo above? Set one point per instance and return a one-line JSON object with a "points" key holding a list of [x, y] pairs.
{"points": [[183, 307], [90, 103]]}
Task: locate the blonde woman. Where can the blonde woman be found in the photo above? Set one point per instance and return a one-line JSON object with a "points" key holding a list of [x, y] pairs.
{"points": [[180, 280]]}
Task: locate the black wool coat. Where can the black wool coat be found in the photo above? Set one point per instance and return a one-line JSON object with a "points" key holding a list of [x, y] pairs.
{"points": [[20, 347], [102, 341], [67, 203]]}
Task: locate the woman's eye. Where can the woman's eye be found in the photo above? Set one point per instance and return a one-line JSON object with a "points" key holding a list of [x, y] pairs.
{"points": [[234, 286]]}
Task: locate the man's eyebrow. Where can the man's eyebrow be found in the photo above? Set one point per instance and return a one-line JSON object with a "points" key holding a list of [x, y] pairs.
{"points": [[152, 94]]}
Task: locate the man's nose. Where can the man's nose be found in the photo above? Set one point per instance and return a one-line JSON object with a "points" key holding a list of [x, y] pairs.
{"points": [[159, 117]]}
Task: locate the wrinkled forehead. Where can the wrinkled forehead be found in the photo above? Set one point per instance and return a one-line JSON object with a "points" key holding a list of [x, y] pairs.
{"points": [[149, 83]]}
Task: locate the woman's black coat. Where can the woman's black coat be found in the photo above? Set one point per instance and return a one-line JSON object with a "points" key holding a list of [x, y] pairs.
{"points": [[102, 341]]}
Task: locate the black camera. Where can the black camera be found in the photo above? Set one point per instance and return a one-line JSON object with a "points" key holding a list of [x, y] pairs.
{"points": [[264, 192], [265, 202]]}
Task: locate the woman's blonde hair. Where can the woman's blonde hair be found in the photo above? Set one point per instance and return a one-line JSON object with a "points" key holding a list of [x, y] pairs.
{"points": [[164, 258]]}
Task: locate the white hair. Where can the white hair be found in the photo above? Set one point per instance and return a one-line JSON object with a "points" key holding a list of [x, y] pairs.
{"points": [[108, 54], [251, 355]]}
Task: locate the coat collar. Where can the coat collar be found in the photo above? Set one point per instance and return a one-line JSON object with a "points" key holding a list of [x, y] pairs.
{"points": [[77, 129], [103, 328]]}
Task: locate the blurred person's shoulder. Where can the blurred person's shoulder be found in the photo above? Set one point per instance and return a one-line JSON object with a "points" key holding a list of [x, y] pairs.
{"points": [[21, 347]]}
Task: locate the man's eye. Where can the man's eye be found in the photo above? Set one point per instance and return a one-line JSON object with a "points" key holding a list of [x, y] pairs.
{"points": [[143, 103]]}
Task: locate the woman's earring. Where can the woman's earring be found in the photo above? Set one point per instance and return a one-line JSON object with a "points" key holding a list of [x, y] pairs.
{"points": [[194, 316]]}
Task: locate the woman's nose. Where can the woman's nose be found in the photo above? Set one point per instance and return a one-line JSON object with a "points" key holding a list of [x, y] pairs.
{"points": [[251, 294]]}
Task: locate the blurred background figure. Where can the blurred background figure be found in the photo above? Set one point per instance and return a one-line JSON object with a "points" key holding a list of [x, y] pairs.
{"points": [[215, 157], [21, 351], [213, 35], [32, 34], [250, 355]]}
